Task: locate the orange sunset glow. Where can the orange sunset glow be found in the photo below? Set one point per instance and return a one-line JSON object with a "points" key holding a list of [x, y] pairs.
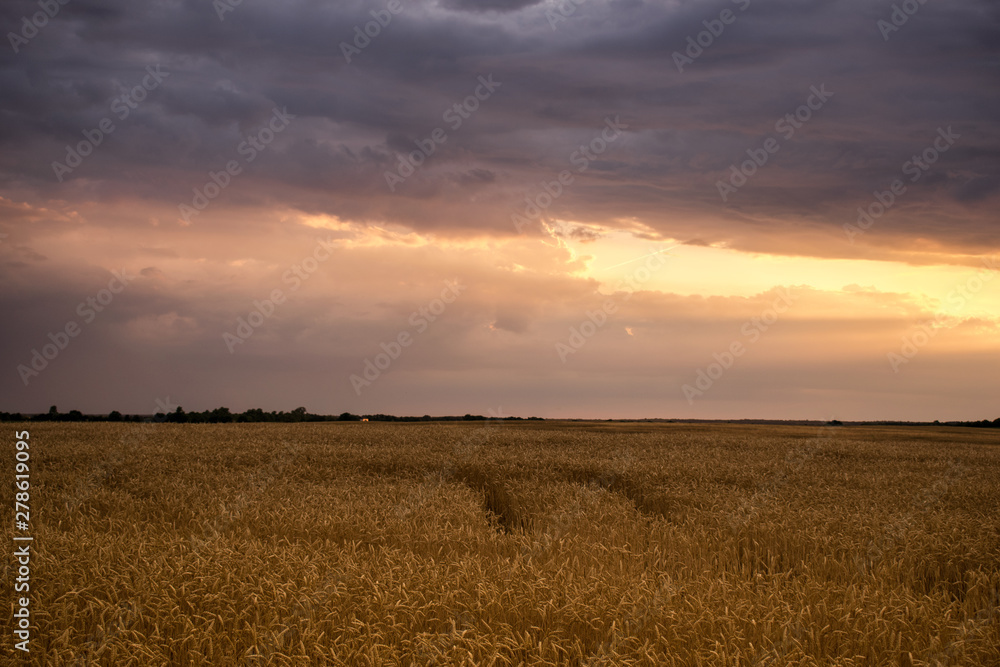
{"points": [[503, 206]]}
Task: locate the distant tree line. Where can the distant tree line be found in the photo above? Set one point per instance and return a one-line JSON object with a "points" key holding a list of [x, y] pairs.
{"points": [[985, 423], [224, 416], [980, 424]]}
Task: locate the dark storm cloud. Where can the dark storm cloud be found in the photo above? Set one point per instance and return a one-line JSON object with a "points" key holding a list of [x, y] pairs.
{"points": [[560, 80], [489, 5]]}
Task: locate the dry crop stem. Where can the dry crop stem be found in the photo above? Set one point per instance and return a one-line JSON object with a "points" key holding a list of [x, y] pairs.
{"points": [[624, 544]]}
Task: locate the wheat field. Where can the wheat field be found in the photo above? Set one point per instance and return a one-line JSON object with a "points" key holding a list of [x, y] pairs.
{"points": [[513, 544]]}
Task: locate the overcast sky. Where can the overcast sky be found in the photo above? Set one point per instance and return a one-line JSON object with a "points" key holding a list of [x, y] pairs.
{"points": [[594, 208]]}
